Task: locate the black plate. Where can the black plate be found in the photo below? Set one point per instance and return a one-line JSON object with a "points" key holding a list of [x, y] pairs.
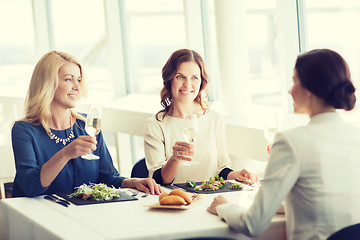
{"points": [[226, 188], [79, 201]]}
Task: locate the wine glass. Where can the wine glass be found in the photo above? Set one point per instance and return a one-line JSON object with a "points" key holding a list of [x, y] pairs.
{"points": [[92, 126], [271, 128], [190, 132]]}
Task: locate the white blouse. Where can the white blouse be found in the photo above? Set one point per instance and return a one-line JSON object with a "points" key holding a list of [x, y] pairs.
{"points": [[210, 146], [316, 168]]}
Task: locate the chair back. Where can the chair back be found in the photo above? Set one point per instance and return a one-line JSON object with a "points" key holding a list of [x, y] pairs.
{"points": [[348, 233], [140, 169]]}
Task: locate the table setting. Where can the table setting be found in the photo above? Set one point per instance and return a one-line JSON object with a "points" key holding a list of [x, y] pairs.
{"points": [[138, 218]]}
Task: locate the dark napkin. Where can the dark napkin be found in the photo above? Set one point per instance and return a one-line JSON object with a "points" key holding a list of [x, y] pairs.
{"points": [[226, 188], [79, 201]]}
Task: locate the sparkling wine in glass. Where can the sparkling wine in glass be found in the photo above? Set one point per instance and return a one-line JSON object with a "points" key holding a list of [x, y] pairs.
{"points": [[270, 133], [92, 127], [271, 128], [190, 132]]}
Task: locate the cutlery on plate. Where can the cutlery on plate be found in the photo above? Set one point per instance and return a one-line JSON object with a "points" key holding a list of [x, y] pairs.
{"points": [[171, 186], [60, 199], [145, 194], [52, 199], [195, 196], [130, 192], [135, 193]]}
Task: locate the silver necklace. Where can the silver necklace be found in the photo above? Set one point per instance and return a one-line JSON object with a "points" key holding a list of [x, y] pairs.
{"points": [[62, 140]]}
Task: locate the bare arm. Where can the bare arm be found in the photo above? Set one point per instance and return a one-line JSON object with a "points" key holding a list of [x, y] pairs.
{"points": [[168, 172]]}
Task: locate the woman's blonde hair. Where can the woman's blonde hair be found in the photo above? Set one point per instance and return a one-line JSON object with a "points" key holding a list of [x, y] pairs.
{"points": [[42, 87]]}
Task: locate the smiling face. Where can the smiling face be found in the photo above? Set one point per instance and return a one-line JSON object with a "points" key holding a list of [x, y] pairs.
{"points": [[186, 83], [300, 95], [68, 88]]}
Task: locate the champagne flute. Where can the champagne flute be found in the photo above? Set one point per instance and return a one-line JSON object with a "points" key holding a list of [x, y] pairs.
{"points": [[92, 127], [190, 132], [271, 128]]}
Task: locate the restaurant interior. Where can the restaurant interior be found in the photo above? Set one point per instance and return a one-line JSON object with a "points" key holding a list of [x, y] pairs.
{"points": [[249, 49]]}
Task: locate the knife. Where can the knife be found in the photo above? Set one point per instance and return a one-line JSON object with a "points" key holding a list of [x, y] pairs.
{"points": [[59, 199], [52, 199]]}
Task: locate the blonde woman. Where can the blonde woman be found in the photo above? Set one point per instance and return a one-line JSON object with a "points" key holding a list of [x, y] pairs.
{"points": [[49, 141]]}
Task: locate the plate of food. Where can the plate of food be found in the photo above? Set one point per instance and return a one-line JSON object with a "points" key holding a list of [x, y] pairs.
{"points": [[213, 185], [176, 199], [96, 193]]}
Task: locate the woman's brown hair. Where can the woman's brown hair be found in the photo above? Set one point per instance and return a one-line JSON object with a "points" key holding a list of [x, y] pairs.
{"points": [[168, 73], [325, 73]]}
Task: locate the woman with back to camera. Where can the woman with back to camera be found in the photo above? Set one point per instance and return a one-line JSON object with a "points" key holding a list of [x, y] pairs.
{"points": [[314, 167], [45, 165], [185, 80]]}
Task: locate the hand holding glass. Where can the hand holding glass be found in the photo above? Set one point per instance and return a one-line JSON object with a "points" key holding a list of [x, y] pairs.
{"points": [[92, 127], [190, 132]]}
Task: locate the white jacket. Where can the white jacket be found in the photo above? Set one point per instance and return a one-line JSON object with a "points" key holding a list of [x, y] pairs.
{"points": [[316, 168]]}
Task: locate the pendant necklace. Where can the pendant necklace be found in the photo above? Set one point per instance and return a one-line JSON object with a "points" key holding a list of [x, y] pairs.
{"points": [[62, 140]]}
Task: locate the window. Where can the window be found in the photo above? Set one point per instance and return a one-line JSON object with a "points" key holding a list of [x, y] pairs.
{"points": [[78, 27], [262, 37], [330, 25], [258, 30], [16, 44], [154, 31]]}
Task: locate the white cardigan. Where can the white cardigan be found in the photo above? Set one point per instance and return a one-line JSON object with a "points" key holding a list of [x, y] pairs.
{"points": [[210, 146], [316, 168]]}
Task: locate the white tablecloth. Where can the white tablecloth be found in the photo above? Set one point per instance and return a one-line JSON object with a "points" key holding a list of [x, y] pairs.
{"points": [[37, 218]]}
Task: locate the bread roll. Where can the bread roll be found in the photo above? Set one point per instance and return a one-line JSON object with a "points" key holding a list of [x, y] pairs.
{"points": [[162, 195], [182, 194], [172, 200]]}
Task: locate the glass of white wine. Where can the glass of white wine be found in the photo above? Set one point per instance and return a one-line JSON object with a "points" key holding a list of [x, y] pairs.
{"points": [[92, 126], [271, 127], [190, 132]]}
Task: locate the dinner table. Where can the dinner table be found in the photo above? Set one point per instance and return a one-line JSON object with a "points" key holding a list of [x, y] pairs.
{"points": [[141, 217]]}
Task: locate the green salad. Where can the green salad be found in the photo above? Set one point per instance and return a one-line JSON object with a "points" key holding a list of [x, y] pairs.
{"points": [[96, 192], [235, 186], [213, 184], [191, 184]]}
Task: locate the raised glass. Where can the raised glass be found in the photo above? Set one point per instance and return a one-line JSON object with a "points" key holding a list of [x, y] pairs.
{"points": [[92, 127], [271, 128], [190, 132]]}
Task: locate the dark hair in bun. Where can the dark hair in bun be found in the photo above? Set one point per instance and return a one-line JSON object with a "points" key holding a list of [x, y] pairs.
{"points": [[326, 74]]}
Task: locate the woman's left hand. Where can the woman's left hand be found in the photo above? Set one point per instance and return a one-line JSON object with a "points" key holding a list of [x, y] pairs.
{"points": [[147, 185], [218, 200], [245, 175]]}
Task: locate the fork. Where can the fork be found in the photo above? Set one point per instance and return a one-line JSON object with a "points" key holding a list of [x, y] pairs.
{"points": [[145, 194], [132, 193]]}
